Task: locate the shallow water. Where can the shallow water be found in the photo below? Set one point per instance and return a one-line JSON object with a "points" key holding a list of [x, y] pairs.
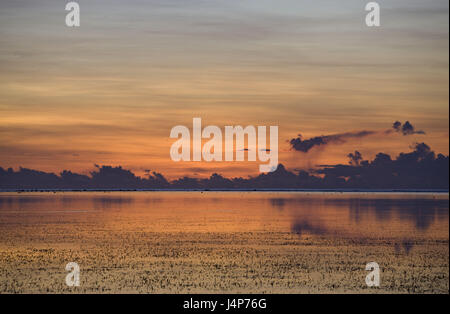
{"points": [[224, 241]]}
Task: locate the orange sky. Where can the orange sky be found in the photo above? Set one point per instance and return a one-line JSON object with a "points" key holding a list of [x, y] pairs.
{"points": [[110, 91]]}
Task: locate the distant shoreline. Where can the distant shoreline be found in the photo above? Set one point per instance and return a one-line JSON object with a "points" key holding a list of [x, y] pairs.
{"points": [[232, 190]]}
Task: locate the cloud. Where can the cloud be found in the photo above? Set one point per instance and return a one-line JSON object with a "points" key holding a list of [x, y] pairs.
{"points": [[419, 169], [299, 144], [406, 129], [355, 158], [305, 145]]}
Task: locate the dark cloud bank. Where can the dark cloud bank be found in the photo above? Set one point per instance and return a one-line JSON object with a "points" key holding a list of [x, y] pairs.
{"points": [[419, 169], [304, 145], [406, 129]]}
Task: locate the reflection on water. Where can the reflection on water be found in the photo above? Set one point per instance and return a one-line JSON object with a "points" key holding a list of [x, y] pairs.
{"points": [[258, 242], [373, 215], [422, 211], [335, 214]]}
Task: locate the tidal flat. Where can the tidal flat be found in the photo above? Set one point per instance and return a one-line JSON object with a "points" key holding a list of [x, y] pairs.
{"points": [[224, 242]]}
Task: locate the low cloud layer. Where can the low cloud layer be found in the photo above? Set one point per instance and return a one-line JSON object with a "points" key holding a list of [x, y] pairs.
{"points": [[406, 129], [302, 145], [419, 169], [305, 145]]}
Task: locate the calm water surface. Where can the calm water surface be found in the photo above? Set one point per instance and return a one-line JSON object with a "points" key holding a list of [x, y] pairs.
{"points": [[346, 215], [232, 242]]}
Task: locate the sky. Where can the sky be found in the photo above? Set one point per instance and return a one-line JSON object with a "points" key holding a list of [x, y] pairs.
{"points": [[110, 91]]}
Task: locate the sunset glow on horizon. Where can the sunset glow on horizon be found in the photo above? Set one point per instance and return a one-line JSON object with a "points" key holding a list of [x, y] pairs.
{"points": [[110, 91]]}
